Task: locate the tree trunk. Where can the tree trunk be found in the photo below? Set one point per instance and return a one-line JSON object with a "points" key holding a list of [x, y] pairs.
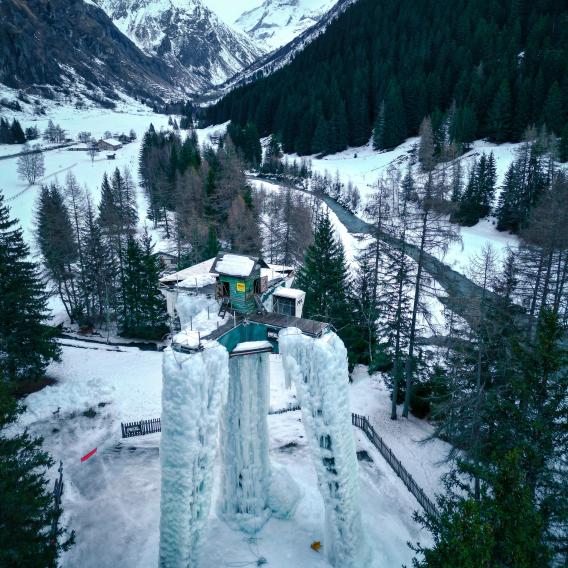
{"points": [[412, 337]]}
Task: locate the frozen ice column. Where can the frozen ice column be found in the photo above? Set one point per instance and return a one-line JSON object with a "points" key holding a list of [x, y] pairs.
{"points": [[246, 473], [318, 368], [193, 394]]}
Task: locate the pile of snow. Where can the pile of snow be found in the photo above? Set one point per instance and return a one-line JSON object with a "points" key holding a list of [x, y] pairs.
{"points": [[196, 276], [246, 346], [291, 293], [198, 313]]}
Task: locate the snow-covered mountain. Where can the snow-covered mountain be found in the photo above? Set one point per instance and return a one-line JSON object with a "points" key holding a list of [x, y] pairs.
{"points": [[71, 48], [277, 22], [188, 36], [280, 57]]}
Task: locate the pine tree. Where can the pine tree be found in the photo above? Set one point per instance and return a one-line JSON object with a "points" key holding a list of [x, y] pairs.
{"points": [[363, 339], [144, 313], [552, 113], [563, 148], [324, 276], [58, 248], [426, 146], [27, 344], [379, 129], [500, 114], [390, 128], [153, 302], [501, 528], [509, 208], [463, 126], [99, 266], [28, 511], [16, 133], [213, 246], [476, 201]]}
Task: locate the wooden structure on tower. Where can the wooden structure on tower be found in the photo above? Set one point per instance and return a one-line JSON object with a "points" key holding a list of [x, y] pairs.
{"points": [[240, 286]]}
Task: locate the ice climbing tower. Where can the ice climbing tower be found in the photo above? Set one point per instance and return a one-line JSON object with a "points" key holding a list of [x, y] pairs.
{"points": [[216, 378]]}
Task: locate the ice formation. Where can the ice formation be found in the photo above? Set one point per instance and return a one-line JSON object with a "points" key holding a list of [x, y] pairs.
{"points": [[197, 312], [244, 444], [194, 393], [318, 368]]}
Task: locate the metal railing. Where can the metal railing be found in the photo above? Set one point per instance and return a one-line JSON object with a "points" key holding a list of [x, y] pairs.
{"points": [[141, 427], [363, 423]]}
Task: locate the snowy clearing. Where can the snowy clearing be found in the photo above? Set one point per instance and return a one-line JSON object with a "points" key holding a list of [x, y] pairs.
{"points": [[112, 500], [22, 198]]}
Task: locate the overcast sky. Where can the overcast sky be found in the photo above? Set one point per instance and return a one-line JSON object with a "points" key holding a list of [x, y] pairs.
{"points": [[230, 10]]}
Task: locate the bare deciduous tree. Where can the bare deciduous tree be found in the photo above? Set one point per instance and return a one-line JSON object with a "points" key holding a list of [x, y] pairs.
{"points": [[31, 164]]}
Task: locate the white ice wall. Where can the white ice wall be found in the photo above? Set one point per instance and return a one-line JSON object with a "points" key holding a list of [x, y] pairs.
{"points": [[193, 395], [245, 485], [192, 309], [319, 370]]}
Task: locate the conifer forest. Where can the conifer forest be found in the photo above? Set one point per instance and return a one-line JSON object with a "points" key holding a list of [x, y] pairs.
{"points": [[284, 284]]}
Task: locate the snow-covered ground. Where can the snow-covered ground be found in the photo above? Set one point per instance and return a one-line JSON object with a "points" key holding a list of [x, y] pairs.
{"points": [[22, 198], [364, 167], [112, 500]]}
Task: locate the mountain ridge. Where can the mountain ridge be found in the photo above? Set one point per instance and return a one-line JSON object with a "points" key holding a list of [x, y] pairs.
{"points": [[202, 50]]}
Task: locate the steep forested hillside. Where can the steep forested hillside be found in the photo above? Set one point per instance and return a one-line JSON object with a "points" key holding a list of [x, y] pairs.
{"points": [[72, 46], [492, 67]]}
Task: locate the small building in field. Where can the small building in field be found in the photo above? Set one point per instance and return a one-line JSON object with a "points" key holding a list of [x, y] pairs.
{"points": [[81, 147], [110, 144]]}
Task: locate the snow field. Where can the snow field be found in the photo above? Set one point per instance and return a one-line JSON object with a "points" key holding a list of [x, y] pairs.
{"points": [[22, 198], [113, 499]]}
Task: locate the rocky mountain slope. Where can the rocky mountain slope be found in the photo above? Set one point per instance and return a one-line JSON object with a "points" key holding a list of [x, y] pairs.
{"points": [[277, 22], [278, 58], [201, 49], [72, 47]]}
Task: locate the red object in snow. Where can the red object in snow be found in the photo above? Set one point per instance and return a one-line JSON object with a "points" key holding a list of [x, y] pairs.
{"points": [[89, 455]]}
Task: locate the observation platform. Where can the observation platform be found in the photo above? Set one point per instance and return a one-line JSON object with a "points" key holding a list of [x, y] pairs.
{"points": [[254, 328]]}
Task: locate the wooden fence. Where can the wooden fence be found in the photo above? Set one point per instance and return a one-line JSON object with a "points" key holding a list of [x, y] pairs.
{"points": [[57, 493], [141, 427], [364, 424]]}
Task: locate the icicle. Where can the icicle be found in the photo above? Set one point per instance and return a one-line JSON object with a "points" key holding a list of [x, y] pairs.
{"points": [[194, 392], [318, 368], [244, 445]]}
